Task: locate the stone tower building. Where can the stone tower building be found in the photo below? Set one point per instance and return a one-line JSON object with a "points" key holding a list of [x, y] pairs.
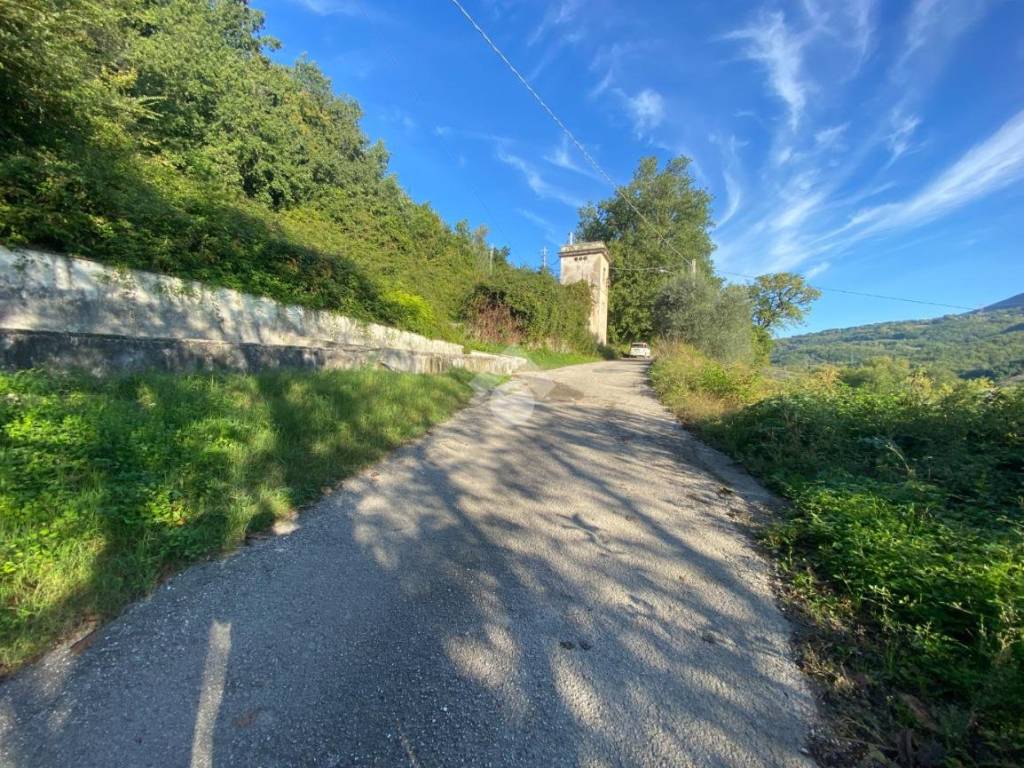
{"points": [[589, 262]]}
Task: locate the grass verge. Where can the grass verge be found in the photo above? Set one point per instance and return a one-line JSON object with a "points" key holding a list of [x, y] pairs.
{"points": [[106, 485], [902, 548]]}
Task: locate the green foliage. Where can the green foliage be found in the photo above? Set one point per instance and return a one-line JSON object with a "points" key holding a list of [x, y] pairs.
{"points": [[696, 387], [105, 485], [986, 344], [161, 136], [907, 521], [644, 255], [781, 299], [701, 312], [520, 306]]}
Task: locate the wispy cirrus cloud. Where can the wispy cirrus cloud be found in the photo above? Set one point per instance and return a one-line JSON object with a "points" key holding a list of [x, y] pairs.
{"points": [[771, 43], [729, 149], [563, 156], [932, 27], [540, 186], [557, 15], [816, 270], [987, 167], [549, 229], [903, 127], [353, 8]]}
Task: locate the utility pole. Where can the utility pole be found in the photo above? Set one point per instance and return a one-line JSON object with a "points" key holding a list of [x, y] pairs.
{"points": [[544, 259], [490, 266]]}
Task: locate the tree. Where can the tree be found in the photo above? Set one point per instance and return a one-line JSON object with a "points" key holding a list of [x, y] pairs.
{"points": [[656, 234], [700, 311], [781, 299]]}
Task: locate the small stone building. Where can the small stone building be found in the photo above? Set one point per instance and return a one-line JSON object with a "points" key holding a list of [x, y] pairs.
{"points": [[589, 262]]}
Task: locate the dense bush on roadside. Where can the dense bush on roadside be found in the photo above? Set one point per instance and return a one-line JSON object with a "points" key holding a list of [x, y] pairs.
{"points": [[517, 306], [106, 485], [698, 310], [906, 526]]}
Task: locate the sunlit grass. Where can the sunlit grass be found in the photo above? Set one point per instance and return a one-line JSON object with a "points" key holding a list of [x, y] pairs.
{"points": [[107, 485]]}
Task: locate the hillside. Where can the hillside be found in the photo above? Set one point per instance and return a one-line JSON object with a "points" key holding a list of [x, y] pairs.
{"points": [[987, 343], [162, 136]]}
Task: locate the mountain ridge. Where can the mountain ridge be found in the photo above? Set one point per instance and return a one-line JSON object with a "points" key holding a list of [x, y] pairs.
{"points": [[982, 343]]}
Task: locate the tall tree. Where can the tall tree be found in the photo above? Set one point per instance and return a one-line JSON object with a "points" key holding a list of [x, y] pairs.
{"points": [[781, 299], [654, 226]]}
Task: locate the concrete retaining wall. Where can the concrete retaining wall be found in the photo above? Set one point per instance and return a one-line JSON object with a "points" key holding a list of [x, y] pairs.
{"points": [[63, 312]]}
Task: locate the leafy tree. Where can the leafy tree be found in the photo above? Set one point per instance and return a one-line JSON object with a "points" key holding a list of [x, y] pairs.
{"points": [[656, 234], [698, 310], [781, 299]]}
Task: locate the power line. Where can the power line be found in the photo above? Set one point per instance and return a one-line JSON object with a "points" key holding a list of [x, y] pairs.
{"points": [[557, 120], [866, 295], [664, 270], [618, 190]]}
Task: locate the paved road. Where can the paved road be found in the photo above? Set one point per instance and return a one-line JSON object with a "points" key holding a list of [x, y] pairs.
{"points": [[559, 590]]}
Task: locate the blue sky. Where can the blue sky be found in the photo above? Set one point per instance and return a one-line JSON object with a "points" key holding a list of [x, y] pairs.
{"points": [[872, 145]]}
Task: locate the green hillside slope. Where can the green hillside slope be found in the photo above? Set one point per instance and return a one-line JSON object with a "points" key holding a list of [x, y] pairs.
{"points": [[988, 343], [162, 136]]}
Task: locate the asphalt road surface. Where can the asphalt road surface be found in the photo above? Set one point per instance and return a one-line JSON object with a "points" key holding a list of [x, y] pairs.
{"points": [[555, 577]]}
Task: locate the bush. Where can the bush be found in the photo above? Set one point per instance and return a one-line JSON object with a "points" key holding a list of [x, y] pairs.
{"points": [[697, 387], [906, 524], [520, 306], [697, 310]]}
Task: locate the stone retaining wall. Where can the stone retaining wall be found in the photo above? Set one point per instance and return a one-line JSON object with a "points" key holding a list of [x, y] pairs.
{"points": [[63, 312]]}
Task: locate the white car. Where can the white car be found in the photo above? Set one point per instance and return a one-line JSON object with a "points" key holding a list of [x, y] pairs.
{"points": [[640, 349]]}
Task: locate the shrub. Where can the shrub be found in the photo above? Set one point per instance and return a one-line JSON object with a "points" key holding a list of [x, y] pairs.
{"points": [[520, 306], [716, 320], [906, 526]]}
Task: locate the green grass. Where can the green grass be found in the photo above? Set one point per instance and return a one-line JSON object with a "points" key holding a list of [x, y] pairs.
{"points": [[903, 544], [108, 485]]}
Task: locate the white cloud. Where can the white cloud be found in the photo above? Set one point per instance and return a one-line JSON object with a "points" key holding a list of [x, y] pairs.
{"points": [[734, 193], [560, 156], [354, 8], [830, 138], [559, 14], [903, 127], [548, 228], [816, 270], [540, 186], [933, 24], [730, 175], [774, 45], [860, 15], [646, 110], [987, 167], [850, 22]]}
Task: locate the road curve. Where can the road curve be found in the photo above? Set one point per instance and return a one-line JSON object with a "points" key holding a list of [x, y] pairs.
{"points": [[552, 578]]}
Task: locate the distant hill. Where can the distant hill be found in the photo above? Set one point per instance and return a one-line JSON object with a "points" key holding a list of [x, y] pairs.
{"points": [[988, 342], [1011, 303]]}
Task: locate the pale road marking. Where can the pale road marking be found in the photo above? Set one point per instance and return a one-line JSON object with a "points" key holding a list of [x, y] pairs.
{"points": [[214, 673]]}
